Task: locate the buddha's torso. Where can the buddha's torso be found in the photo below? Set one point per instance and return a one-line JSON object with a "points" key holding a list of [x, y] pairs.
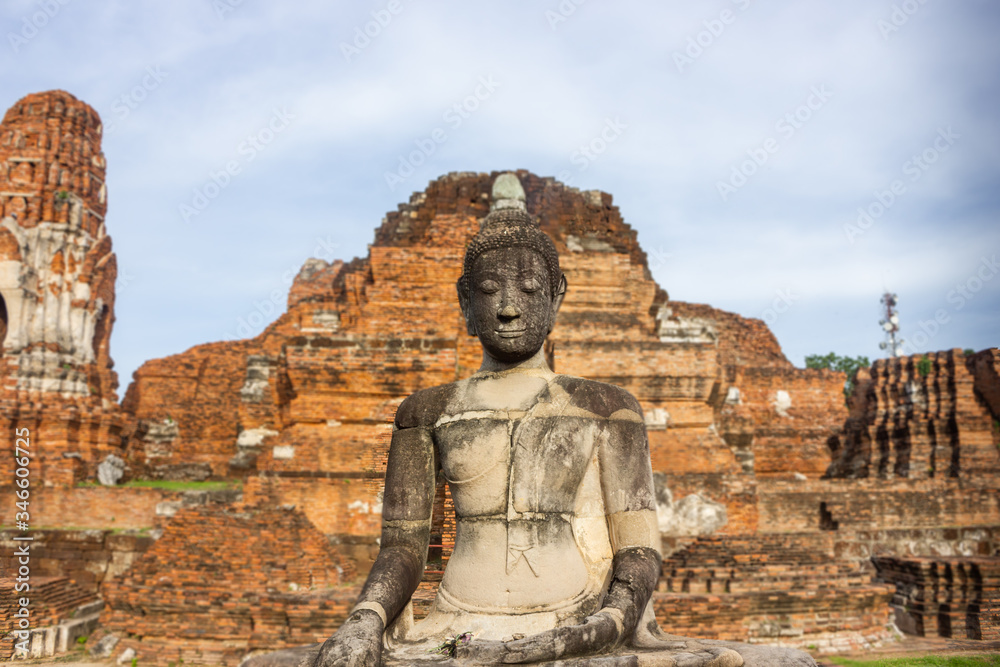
{"points": [[521, 461]]}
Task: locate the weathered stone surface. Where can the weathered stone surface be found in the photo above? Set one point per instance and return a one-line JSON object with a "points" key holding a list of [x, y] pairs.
{"points": [[691, 516], [110, 471], [766, 656], [682, 652], [103, 647]]}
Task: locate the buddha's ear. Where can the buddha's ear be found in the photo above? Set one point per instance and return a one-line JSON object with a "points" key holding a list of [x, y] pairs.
{"points": [[557, 300], [463, 303]]}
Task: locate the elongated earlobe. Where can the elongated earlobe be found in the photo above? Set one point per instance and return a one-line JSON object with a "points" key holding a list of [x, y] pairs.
{"points": [[557, 300], [561, 290]]}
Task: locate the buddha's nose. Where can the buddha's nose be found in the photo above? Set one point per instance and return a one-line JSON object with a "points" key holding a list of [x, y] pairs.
{"points": [[509, 311]]}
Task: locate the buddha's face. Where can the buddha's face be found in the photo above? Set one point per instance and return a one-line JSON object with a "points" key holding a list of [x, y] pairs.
{"points": [[511, 307]]}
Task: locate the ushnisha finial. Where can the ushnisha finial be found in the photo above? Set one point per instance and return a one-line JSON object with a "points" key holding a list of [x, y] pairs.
{"points": [[508, 193]]}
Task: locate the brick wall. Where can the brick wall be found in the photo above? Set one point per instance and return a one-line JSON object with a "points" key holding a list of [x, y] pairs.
{"points": [[777, 589], [224, 581], [921, 417], [87, 558], [942, 596], [91, 507]]}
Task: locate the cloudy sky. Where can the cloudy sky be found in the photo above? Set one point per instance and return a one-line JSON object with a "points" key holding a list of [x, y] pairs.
{"points": [[782, 160]]}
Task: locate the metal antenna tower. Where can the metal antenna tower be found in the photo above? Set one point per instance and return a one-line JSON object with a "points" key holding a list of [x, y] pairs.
{"points": [[890, 324]]}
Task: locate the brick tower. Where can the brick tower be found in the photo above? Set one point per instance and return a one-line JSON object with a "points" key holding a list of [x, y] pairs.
{"points": [[57, 288]]}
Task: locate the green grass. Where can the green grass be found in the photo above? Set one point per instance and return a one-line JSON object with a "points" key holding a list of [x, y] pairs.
{"points": [[924, 661], [131, 531], [173, 486]]}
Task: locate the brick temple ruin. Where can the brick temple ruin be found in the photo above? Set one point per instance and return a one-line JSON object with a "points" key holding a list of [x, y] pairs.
{"points": [[787, 515]]}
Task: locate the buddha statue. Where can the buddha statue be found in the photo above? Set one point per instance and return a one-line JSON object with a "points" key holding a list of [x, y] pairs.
{"points": [[557, 548]]}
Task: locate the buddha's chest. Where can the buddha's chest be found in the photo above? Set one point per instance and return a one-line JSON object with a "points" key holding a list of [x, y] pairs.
{"points": [[516, 462]]}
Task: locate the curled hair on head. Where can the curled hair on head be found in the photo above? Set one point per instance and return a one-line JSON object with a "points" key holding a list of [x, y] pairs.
{"points": [[511, 228]]}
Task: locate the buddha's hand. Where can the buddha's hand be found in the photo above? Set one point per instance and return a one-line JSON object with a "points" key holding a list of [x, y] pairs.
{"points": [[358, 642], [598, 633]]}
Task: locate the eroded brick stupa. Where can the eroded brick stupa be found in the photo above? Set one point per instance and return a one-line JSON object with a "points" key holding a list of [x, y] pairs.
{"points": [[773, 495], [57, 284]]}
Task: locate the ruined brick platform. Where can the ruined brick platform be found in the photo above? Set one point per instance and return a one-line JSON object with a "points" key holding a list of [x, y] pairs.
{"points": [[53, 601], [224, 581], [945, 597], [776, 589], [86, 557]]}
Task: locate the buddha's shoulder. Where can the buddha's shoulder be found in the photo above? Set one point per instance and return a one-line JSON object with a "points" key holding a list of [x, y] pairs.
{"points": [[600, 398], [424, 407]]}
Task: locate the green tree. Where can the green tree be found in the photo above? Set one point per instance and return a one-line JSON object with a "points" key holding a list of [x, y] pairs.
{"points": [[835, 362], [924, 366]]}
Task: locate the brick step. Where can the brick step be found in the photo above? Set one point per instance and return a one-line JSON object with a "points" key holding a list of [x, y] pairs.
{"points": [[721, 588], [881, 589], [767, 579], [828, 569]]}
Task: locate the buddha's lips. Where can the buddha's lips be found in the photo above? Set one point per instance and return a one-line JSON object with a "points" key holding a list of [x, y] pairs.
{"points": [[511, 333]]}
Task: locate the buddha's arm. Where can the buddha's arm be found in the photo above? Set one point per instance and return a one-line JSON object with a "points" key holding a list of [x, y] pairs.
{"points": [[630, 503], [407, 504]]}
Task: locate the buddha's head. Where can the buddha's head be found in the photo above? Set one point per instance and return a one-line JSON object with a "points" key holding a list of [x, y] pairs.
{"points": [[511, 286]]}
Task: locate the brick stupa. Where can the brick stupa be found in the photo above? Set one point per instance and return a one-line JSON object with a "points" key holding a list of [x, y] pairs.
{"points": [[57, 283]]}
